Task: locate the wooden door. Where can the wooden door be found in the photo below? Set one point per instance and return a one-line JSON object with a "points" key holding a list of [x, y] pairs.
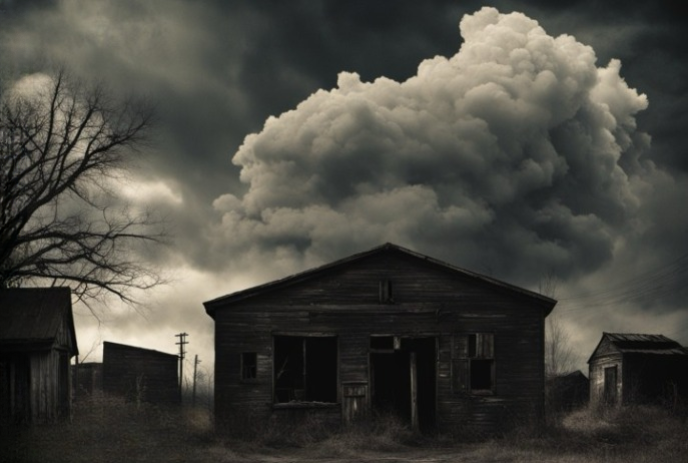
{"points": [[610, 385]]}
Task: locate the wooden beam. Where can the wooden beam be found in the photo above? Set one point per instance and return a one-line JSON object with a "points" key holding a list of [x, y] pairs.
{"points": [[414, 391]]}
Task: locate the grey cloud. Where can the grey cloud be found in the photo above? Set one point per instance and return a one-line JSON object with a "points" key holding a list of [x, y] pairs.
{"points": [[513, 145]]}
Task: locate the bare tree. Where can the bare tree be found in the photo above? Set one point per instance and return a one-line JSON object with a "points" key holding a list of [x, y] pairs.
{"points": [[61, 144], [559, 358]]}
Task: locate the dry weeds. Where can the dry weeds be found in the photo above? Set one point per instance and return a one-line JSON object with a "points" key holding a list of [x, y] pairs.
{"points": [[111, 430]]}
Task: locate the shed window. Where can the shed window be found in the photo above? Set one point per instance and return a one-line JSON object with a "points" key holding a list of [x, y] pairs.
{"points": [[473, 364], [305, 369], [249, 366]]}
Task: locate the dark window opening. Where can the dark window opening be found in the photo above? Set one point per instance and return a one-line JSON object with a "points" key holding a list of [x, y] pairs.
{"points": [[473, 364], [249, 365], [305, 369], [386, 296], [481, 374], [472, 345]]}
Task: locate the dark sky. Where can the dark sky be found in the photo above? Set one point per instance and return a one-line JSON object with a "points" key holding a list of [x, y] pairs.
{"points": [[537, 140]]}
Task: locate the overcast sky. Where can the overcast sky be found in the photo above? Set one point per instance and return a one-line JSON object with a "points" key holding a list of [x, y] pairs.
{"points": [[520, 141]]}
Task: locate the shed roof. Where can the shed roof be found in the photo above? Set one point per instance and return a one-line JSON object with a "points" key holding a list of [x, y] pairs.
{"points": [[107, 345], [213, 304], [35, 316], [634, 343]]}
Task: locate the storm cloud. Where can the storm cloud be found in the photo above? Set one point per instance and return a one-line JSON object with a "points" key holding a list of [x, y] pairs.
{"points": [[519, 151]]}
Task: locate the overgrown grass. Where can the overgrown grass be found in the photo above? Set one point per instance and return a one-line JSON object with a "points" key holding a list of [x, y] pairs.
{"points": [[111, 430], [628, 434]]}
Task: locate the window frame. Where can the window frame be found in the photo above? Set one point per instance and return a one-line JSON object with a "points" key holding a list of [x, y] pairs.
{"points": [[242, 368], [305, 403], [467, 349]]}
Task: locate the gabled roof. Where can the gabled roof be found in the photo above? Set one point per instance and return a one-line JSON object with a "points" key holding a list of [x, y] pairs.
{"points": [[212, 305], [35, 316], [633, 343]]}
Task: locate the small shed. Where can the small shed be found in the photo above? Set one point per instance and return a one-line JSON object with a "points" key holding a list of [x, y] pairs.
{"points": [[37, 343], [140, 374], [387, 331], [568, 391], [637, 368]]}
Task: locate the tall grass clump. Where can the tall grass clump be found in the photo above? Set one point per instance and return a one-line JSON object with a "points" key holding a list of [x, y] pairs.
{"points": [[107, 428], [626, 434]]}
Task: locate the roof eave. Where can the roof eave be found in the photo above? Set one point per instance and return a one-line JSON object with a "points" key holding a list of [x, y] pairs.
{"points": [[212, 305]]}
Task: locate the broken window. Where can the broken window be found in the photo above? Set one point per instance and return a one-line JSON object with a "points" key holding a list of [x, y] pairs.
{"points": [[305, 369], [249, 366], [473, 365]]}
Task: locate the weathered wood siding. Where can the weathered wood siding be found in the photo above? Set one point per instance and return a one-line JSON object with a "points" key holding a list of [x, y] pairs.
{"points": [[659, 379], [140, 374], [428, 301], [37, 341]]}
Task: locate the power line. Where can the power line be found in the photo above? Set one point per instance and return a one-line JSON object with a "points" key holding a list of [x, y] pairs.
{"points": [[649, 285]]}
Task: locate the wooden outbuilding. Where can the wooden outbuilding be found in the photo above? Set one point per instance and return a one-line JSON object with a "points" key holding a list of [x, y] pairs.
{"points": [[142, 375], [37, 343], [386, 331], [637, 368]]}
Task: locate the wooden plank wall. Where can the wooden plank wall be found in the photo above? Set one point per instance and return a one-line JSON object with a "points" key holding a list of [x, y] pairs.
{"points": [[428, 301], [44, 386], [140, 374]]}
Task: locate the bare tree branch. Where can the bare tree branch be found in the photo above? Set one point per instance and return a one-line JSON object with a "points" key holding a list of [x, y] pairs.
{"points": [[57, 226], [559, 357]]}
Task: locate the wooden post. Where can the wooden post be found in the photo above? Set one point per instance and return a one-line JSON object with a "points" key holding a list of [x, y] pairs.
{"points": [[414, 391], [193, 396]]}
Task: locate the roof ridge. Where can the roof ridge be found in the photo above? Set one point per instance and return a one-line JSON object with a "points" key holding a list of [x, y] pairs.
{"points": [[247, 292]]}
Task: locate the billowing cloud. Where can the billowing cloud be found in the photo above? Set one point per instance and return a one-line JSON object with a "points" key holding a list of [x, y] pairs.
{"points": [[518, 151]]}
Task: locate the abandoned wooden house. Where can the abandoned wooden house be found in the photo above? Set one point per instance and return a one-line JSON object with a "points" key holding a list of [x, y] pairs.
{"points": [[141, 375], [568, 391], [637, 368], [37, 343], [384, 331]]}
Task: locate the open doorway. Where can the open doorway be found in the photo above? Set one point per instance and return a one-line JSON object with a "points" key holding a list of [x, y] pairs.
{"points": [[402, 375]]}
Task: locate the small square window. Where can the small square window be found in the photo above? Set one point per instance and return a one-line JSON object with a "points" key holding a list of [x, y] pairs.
{"points": [[249, 365]]}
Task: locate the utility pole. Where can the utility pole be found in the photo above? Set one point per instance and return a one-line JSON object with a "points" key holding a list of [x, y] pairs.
{"points": [[193, 395], [182, 342]]}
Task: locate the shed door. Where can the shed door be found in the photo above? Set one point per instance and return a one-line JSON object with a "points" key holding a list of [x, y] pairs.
{"points": [[610, 385]]}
